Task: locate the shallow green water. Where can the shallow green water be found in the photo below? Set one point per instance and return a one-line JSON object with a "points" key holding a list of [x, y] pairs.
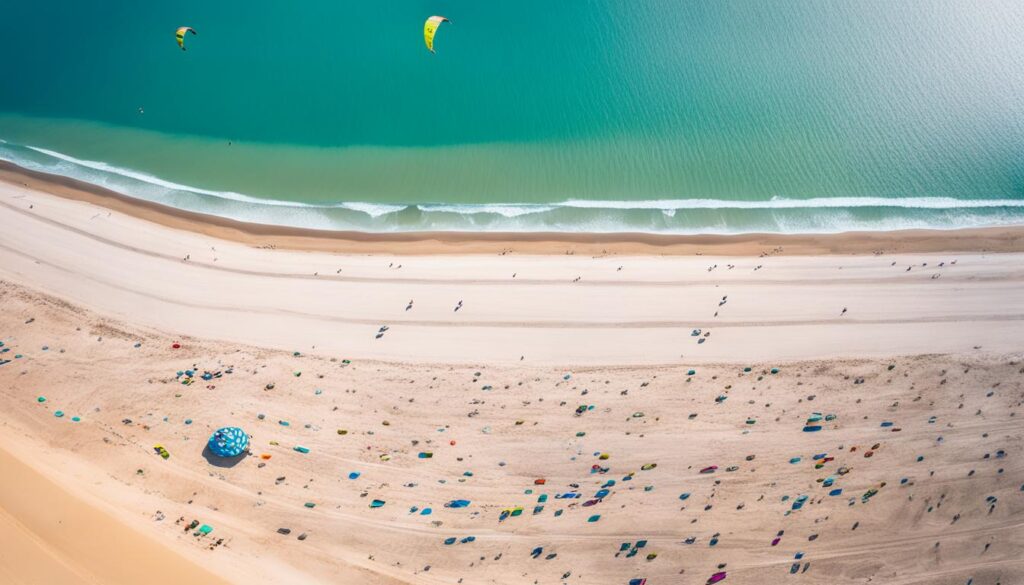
{"points": [[661, 115]]}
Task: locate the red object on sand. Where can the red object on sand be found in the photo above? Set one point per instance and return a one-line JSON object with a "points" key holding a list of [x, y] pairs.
{"points": [[539, 481], [175, 346]]}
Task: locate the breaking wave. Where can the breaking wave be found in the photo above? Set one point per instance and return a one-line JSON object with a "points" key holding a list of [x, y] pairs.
{"points": [[778, 214]]}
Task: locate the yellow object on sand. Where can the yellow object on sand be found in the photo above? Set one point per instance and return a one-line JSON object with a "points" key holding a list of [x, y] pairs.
{"points": [[430, 29]]}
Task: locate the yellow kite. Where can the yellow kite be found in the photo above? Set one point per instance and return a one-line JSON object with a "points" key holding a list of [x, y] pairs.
{"points": [[430, 29], [180, 35]]}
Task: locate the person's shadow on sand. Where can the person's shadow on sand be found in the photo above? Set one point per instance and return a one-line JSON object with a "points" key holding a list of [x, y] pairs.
{"points": [[217, 461]]}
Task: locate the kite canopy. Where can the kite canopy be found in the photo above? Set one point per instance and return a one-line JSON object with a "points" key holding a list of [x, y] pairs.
{"points": [[228, 442], [180, 35], [430, 29]]}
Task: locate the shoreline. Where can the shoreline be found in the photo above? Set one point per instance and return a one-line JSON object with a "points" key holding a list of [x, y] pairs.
{"points": [[547, 307], [989, 239]]}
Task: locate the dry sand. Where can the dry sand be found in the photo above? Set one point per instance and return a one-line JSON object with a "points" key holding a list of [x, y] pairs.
{"points": [[49, 534], [92, 300]]}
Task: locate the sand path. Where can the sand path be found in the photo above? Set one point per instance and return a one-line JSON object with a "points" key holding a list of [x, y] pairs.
{"points": [[621, 310]]}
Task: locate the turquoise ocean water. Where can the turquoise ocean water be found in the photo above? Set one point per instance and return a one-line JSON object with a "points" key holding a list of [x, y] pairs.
{"points": [[680, 116]]}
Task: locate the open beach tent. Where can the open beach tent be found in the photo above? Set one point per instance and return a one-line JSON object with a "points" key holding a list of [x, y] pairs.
{"points": [[228, 442]]}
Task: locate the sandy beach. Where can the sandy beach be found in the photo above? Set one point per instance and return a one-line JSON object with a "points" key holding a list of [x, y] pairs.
{"points": [[532, 373]]}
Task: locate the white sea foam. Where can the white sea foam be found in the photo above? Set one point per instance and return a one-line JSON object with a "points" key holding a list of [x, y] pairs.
{"points": [[152, 180], [502, 209], [518, 209], [783, 203], [371, 209], [513, 216]]}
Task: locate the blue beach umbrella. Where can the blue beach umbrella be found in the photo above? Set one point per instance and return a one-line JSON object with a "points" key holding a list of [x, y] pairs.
{"points": [[228, 442]]}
